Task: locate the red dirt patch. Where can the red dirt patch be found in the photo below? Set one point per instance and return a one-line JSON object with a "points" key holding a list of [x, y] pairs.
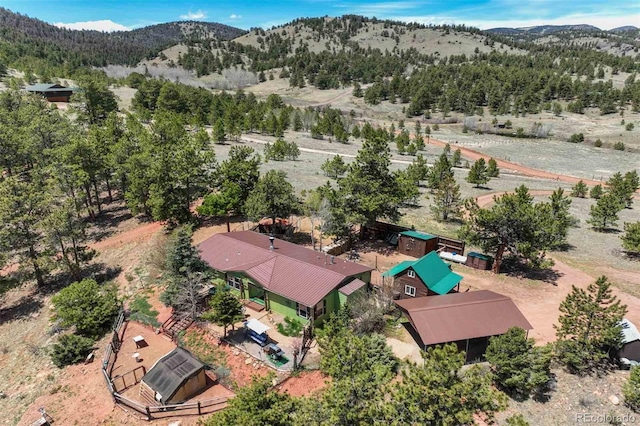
{"points": [[305, 383], [241, 372]]}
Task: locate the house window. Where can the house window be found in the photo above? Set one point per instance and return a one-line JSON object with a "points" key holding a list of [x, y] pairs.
{"points": [[235, 282], [410, 290], [320, 309], [411, 273], [303, 311]]}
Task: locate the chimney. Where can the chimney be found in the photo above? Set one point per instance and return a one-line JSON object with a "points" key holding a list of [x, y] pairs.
{"points": [[271, 239]]}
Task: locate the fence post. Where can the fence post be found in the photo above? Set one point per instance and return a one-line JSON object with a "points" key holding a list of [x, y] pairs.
{"points": [[199, 410], [148, 412]]}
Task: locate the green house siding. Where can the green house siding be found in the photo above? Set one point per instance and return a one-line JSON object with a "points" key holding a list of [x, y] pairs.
{"points": [[283, 306]]}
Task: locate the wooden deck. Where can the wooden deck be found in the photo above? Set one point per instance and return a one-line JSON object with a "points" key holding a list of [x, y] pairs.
{"points": [[253, 305]]}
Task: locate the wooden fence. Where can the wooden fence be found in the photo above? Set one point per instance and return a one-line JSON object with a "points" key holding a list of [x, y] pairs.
{"points": [[122, 382], [152, 412], [131, 378]]}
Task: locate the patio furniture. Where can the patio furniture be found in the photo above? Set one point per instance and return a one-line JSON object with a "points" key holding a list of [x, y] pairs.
{"points": [[139, 341]]}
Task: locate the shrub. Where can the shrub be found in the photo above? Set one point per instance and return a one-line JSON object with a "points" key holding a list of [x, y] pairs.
{"points": [[619, 146], [631, 390], [597, 143], [516, 420], [70, 349], [86, 305], [143, 312], [577, 138], [291, 327], [281, 150], [629, 127]]}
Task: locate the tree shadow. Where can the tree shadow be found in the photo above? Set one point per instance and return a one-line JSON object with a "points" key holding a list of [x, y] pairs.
{"points": [[97, 271], [608, 230], [518, 269], [105, 223], [564, 247], [25, 307]]}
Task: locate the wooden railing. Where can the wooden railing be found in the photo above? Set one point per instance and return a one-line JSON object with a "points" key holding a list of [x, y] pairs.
{"points": [[153, 412], [131, 378]]}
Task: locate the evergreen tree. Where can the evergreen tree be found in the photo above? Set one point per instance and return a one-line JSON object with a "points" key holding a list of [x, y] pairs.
{"points": [[440, 171], [520, 368], [604, 213], [225, 309], [437, 393], [369, 190], [272, 197], [596, 192], [456, 158], [478, 174], [418, 170], [334, 167], [631, 238], [447, 203], [579, 190], [492, 168], [589, 327], [631, 390], [219, 132]]}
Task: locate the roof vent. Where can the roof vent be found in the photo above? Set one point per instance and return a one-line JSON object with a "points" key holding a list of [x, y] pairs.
{"points": [[333, 260], [271, 239]]}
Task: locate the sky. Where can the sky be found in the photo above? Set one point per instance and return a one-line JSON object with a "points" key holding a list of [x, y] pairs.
{"points": [[114, 15]]}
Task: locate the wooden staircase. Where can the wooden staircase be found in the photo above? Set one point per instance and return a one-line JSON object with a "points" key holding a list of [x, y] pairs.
{"points": [[175, 324]]}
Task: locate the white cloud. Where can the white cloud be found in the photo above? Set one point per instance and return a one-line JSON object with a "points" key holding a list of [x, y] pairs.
{"points": [[106, 25], [234, 16], [192, 16]]}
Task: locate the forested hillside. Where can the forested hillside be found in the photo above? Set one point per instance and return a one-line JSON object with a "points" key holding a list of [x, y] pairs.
{"points": [[28, 43]]}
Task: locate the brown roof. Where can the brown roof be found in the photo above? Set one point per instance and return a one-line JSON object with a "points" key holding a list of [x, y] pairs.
{"points": [[461, 316], [295, 272], [352, 287]]}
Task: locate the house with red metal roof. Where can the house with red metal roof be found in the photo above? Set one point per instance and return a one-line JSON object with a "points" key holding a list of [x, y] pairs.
{"points": [[294, 281]]}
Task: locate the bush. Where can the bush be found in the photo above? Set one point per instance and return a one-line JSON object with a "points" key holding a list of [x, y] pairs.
{"points": [[597, 143], [619, 146], [291, 327], [631, 390], [70, 349], [86, 305], [281, 150], [516, 420], [629, 127], [577, 138], [143, 312]]}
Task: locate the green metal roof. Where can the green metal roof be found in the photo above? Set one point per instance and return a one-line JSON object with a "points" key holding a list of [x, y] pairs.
{"points": [[432, 270], [400, 267], [49, 87], [478, 255], [418, 235]]}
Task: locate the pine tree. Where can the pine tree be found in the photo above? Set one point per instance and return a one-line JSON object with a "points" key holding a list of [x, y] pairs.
{"points": [[456, 158], [272, 197], [596, 192], [631, 390], [579, 190], [478, 173], [589, 327], [605, 212], [520, 368], [447, 203], [334, 167], [226, 309], [492, 168], [631, 238], [440, 171]]}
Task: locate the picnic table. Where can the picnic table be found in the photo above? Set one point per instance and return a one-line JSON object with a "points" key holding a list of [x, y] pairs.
{"points": [[139, 341]]}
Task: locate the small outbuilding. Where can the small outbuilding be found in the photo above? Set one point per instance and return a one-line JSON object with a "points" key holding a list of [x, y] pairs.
{"points": [[416, 243], [479, 261], [426, 276], [630, 341], [52, 92], [174, 378], [466, 319]]}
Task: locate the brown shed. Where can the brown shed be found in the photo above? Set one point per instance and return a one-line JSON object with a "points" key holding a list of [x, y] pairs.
{"points": [[465, 319], [416, 243], [174, 378], [479, 261]]}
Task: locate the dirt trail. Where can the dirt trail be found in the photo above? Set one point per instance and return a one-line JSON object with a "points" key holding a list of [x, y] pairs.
{"points": [[524, 170], [540, 301], [335, 98], [138, 234], [487, 199]]}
